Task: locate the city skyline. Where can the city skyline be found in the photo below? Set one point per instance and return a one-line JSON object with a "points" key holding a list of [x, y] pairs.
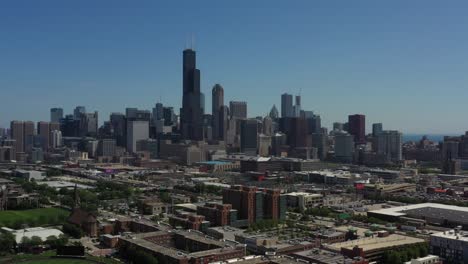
{"points": [[332, 86]]}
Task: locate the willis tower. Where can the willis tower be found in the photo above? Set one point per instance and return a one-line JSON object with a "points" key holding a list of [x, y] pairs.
{"points": [[193, 101]]}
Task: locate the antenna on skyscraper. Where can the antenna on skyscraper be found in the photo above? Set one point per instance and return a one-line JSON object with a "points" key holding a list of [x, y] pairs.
{"points": [[192, 44]]}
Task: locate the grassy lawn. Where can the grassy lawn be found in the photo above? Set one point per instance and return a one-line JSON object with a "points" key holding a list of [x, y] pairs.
{"points": [[32, 217]]}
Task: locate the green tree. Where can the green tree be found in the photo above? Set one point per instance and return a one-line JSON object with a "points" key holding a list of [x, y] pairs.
{"points": [[62, 240], [25, 241], [51, 241], [7, 241], [72, 230], [36, 241]]}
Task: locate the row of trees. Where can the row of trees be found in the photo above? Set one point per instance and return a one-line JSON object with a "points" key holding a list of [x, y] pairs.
{"points": [[18, 223], [320, 211], [105, 190], [405, 254], [8, 242], [51, 241], [108, 190], [365, 219]]}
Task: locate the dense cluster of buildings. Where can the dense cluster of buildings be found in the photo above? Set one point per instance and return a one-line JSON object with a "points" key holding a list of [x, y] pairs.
{"points": [[232, 181], [194, 135]]}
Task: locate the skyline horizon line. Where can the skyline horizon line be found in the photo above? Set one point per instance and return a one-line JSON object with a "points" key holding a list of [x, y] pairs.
{"points": [[329, 127]]}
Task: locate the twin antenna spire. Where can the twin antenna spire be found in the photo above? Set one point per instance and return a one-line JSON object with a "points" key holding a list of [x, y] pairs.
{"points": [[190, 42]]}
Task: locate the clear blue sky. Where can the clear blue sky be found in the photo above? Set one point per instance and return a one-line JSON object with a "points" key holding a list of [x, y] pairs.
{"points": [[403, 63]]}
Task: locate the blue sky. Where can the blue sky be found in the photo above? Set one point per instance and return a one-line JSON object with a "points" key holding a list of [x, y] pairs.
{"points": [[403, 63]]}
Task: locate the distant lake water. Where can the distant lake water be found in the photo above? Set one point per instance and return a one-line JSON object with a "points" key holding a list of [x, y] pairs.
{"points": [[432, 137]]}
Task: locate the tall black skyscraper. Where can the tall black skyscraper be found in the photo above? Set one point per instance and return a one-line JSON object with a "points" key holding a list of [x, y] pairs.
{"points": [[217, 103], [193, 101], [286, 105]]}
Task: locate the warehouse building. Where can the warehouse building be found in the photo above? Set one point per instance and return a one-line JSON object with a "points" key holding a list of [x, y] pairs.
{"points": [[428, 213]]}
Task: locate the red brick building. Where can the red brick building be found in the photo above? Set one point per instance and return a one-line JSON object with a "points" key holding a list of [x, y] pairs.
{"points": [[217, 214], [188, 221], [242, 198]]}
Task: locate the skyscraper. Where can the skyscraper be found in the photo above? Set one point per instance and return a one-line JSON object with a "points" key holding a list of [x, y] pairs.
{"points": [[170, 119], [297, 107], [119, 128], [267, 126], [70, 126], [296, 130], [23, 134], [29, 133], [56, 114], [17, 133], [158, 118], [78, 111], [376, 129], [43, 131], [249, 136], [217, 102], [389, 143], [158, 112], [223, 121], [344, 146], [238, 110], [357, 128], [193, 102], [319, 141], [286, 105], [314, 122], [274, 113], [136, 131], [137, 114], [56, 137], [89, 124], [338, 126]]}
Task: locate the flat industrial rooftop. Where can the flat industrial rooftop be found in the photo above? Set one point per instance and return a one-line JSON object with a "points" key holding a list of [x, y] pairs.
{"points": [[431, 208]]}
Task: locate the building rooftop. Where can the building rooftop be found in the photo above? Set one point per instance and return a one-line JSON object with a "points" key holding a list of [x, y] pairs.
{"points": [[260, 260], [41, 232], [323, 256], [402, 210], [64, 184], [217, 184], [143, 240], [214, 162], [461, 236], [450, 215], [304, 194], [376, 243]]}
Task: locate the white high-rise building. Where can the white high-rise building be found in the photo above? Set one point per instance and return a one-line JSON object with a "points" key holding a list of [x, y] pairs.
{"points": [[136, 130], [56, 138]]}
